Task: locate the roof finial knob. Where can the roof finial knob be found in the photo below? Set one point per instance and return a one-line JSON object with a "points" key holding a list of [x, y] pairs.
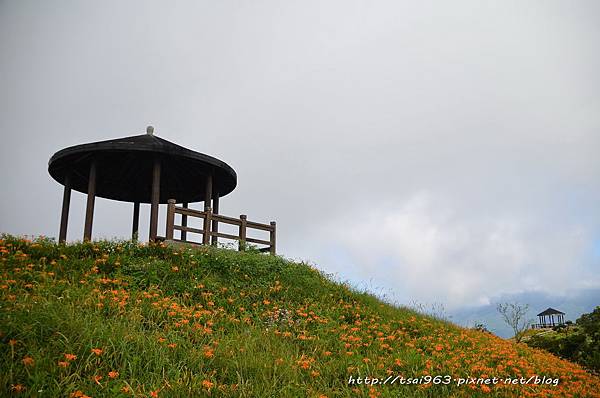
{"points": [[150, 130]]}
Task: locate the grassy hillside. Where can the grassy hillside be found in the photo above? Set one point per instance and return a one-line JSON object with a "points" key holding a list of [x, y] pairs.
{"points": [[111, 319]]}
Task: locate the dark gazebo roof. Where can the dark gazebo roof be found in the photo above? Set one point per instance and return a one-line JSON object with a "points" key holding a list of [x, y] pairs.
{"points": [[124, 169], [550, 311]]}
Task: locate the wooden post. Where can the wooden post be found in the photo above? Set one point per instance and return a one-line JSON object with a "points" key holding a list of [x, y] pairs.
{"points": [[208, 191], [155, 201], [91, 199], [136, 221], [170, 219], [183, 235], [272, 238], [215, 223], [64, 216], [207, 222], [207, 209], [242, 243]]}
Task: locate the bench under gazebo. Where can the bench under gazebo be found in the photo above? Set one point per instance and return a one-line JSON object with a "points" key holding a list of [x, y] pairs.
{"points": [[146, 169]]}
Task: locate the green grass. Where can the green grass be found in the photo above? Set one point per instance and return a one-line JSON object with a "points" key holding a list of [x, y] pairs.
{"points": [[179, 322]]}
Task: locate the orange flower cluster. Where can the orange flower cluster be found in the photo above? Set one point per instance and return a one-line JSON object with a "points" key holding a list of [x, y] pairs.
{"points": [[342, 332]]}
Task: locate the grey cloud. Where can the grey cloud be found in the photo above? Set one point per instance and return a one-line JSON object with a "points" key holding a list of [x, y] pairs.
{"points": [[332, 113]]}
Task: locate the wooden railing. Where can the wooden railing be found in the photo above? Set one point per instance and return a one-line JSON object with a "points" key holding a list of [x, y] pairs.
{"points": [[210, 229], [546, 325]]}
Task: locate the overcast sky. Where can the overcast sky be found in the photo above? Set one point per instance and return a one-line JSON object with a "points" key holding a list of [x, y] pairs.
{"points": [[443, 151]]}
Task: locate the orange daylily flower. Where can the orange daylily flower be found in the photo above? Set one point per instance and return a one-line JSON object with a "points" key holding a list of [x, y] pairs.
{"points": [[304, 364], [28, 361], [97, 351], [17, 387]]}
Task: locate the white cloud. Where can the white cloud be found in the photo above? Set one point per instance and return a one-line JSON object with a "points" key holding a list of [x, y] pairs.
{"points": [[427, 251]]}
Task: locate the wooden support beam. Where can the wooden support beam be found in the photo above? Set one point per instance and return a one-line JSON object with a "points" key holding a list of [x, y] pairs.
{"points": [[189, 212], [91, 199], [184, 223], [188, 229], [242, 242], [208, 185], [170, 220], [215, 223], [227, 236], [227, 220], [207, 222], [135, 227], [155, 201], [272, 238], [64, 216], [259, 241]]}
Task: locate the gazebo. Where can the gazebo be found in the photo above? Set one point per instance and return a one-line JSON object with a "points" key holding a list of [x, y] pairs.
{"points": [[546, 318], [146, 169]]}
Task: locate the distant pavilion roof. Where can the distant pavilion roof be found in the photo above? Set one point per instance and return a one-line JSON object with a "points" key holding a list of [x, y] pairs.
{"points": [[550, 311], [125, 166]]}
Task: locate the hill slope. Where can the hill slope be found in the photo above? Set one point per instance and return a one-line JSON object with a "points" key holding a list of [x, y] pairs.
{"points": [[121, 319]]}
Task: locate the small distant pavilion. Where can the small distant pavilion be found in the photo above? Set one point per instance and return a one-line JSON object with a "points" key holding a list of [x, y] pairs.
{"points": [[139, 169], [547, 320]]}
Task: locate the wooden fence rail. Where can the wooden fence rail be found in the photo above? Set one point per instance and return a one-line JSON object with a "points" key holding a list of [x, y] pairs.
{"points": [[210, 227]]}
